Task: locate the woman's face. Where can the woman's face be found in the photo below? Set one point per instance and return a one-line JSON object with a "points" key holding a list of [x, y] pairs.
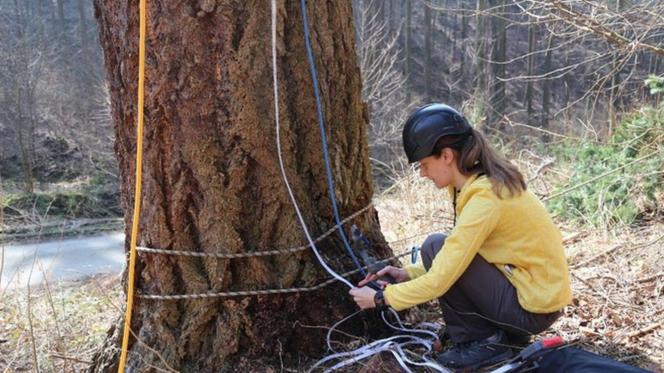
{"points": [[440, 170]]}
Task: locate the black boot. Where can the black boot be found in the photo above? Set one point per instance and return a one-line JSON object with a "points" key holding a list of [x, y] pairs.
{"points": [[472, 355], [518, 340]]}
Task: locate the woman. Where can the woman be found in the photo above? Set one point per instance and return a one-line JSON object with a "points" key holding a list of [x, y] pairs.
{"points": [[502, 270]]}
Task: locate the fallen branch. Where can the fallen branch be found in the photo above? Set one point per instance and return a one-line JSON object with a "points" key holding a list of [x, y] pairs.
{"points": [[603, 253], [591, 287], [653, 277], [572, 237], [70, 359], [539, 170], [645, 330], [612, 249]]}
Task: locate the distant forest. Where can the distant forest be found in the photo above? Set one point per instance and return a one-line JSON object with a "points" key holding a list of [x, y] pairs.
{"points": [[567, 68], [529, 69]]}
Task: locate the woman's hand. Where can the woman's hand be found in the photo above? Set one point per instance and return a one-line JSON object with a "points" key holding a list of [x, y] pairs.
{"points": [[399, 274], [364, 297]]}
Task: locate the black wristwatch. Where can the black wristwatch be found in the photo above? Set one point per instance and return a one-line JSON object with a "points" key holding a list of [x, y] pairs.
{"points": [[379, 299]]}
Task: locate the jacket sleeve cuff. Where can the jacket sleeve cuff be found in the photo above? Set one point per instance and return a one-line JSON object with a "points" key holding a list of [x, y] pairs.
{"points": [[391, 301], [415, 270]]}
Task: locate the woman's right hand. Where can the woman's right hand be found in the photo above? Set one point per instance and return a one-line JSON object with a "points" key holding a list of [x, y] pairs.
{"points": [[398, 274]]}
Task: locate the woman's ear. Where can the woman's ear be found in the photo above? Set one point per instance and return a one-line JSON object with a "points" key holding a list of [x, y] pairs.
{"points": [[448, 156]]}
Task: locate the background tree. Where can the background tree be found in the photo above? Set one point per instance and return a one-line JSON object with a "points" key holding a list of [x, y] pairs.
{"points": [[528, 96], [498, 59], [428, 45], [407, 46], [212, 181]]}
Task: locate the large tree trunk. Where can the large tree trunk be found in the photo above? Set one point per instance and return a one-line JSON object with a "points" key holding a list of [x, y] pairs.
{"points": [[211, 176]]}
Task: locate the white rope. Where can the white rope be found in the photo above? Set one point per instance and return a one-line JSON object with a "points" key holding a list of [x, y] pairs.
{"points": [[328, 339], [387, 344], [279, 155], [395, 345], [402, 328]]}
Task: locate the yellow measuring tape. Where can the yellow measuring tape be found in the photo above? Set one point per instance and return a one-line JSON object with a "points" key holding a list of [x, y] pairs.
{"points": [[137, 184]]}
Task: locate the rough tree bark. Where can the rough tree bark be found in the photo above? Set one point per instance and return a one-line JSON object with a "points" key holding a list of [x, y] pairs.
{"points": [[212, 180]]}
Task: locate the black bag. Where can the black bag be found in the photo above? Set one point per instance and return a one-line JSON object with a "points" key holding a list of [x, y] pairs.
{"points": [[570, 359]]}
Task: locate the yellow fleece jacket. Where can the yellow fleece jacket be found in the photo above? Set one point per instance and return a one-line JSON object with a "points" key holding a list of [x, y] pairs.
{"points": [[515, 233]]}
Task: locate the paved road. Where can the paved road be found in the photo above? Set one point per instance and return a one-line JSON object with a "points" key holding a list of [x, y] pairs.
{"points": [[62, 260]]}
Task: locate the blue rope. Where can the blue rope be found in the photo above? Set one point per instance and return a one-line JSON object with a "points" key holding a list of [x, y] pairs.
{"points": [[328, 170]]}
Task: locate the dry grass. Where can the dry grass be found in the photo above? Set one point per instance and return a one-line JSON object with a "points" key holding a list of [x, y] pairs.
{"points": [[617, 280], [619, 295], [69, 322]]}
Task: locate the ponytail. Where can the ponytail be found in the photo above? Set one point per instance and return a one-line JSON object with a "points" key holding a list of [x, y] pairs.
{"points": [[474, 154]]}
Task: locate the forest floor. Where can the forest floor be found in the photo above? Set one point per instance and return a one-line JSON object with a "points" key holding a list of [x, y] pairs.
{"points": [[617, 278]]}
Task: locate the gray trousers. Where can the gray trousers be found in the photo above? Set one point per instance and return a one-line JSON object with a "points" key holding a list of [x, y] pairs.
{"points": [[482, 301]]}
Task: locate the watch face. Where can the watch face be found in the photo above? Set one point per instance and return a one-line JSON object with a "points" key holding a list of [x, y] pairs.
{"points": [[378, 298]]}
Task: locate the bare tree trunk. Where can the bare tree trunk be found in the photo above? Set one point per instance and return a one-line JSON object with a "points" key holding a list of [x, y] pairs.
{"points": [[455, 36], [61, 17], [212, 181], [498, 57], [82, 27], [480, 55], [528, 98], [24, 143], [464, 32], [546, 86], [615, 83], [391, 17], [570, 81], [427, 51], [407, 47]]}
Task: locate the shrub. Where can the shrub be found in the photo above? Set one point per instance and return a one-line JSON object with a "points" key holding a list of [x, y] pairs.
{"points": [[631, 194]]}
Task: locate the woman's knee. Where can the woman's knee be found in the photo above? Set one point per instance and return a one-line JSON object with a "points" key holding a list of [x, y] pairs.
{"points": [[430, 247]]}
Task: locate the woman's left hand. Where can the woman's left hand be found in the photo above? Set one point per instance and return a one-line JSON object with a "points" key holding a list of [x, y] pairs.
{"points": [[364, 297]]}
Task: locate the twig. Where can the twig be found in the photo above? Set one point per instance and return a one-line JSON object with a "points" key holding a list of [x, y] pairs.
{"points": [[69, 358], [138, 339], [32, 332], [2, 246], [648, 279], [614, 248], [539, 170], [603, 253], [572, 237], [2, 260], [585, 282], [49, 296], [645, 330]]}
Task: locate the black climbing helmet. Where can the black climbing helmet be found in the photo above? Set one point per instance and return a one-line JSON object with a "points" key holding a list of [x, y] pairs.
{"points": [[427, 125]]}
